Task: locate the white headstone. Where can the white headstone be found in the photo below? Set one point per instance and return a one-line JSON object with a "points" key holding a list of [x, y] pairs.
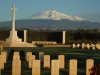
{"points": [[55, 67], [78, 45], [83, 45], [97, 46], [1, 62], [73, 67], [46, 61], [41, 56], [89, 65], [36, 67], [27, 56], [93, 46], [73, 45], [88, 46], [16, 56], [4, 55], [16, 67], [61, 59], [31, 59]]}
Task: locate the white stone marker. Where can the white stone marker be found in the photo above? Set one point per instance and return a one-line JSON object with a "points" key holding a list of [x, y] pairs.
{"points": [[41, 56], [1, 62], [16, 56], [4, 55], [25, 36], [61, 59], [27, 55], [16, 67], [31, 59], [73, 45], [97, 45], [89, 65], [88, 46], [64, 37], [73, 67], [46, 61], [54, 67], [83, 45], [93, 46], [36, 67], [78, 45]]}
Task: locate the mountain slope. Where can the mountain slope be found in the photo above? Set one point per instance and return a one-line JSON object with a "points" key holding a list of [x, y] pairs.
{"points": [[54, 15], [51, 24], [51, 20]]}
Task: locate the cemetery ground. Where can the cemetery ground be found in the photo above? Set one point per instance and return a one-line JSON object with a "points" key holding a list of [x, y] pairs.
{"points": [[81, 55]]}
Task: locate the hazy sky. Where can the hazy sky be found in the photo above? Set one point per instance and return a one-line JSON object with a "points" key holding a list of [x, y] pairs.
{"points": [[88, 9]]}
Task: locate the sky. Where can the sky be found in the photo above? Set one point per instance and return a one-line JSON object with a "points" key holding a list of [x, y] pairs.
{"points": [[87, 9]]}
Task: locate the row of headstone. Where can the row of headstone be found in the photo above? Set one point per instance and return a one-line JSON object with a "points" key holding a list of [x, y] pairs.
{"points": [[16, 64], [84, 45], [3, 58], [33, 63], [55, 65], [30, 58], [72, 67], [46, 60], [36, 64]]}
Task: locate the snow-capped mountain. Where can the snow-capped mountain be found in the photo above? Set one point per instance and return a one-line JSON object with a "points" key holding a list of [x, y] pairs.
{"points": [[52, 20], [54, 15]]}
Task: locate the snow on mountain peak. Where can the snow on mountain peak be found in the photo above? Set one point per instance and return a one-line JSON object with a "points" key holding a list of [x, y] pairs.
{"points": [[55, 15]]}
